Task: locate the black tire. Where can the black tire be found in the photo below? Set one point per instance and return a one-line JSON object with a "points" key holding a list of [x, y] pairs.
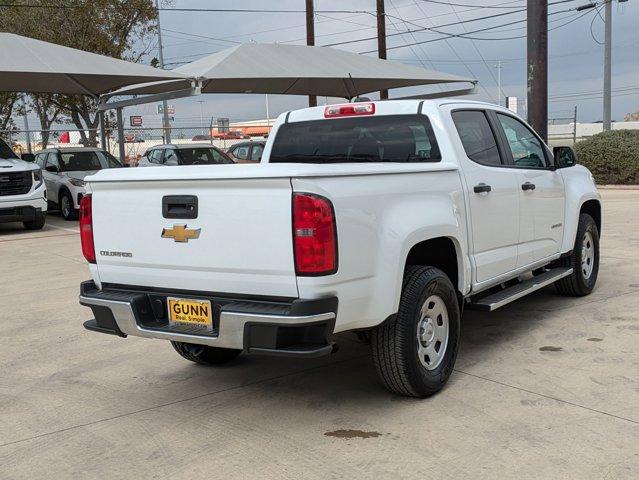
{"points": [[37, 223], [67, 210], [579, 284], [395, 342], [205, 355]]}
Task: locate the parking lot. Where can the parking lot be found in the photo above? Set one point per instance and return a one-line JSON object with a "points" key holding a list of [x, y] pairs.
{"points": [[546, 387]]}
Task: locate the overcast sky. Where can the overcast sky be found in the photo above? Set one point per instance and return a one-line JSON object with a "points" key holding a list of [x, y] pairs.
{"points": [[575, 57]]}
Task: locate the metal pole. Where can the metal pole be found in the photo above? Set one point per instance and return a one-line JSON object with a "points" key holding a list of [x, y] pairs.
{"points": [[118, 112], [201, 116], [165, 113], [607, 67], [268, 117], [499, 83], [574, 129], [310, 39], [537, 71], [102, 130], [26, 126], [381, 39]]}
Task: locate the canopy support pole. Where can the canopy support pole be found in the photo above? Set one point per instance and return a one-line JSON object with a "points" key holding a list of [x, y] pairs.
{"points": [[120, 134], [102, 131]]}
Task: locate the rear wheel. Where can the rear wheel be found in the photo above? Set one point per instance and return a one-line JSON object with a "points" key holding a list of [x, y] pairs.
{"points": [[205, 355], [37, 223], [584, 260], [66, 206], [415, 351]]}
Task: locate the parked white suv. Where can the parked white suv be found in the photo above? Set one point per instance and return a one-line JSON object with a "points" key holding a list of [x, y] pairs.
{"points": [[383, 218], [23, 197], [64, 171]]}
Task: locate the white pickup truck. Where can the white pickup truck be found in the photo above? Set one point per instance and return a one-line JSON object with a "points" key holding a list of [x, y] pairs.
{"points": [[382, 218], [23, 196]]}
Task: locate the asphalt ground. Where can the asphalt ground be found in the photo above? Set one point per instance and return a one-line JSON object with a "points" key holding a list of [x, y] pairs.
{"points": [[546, 387]]}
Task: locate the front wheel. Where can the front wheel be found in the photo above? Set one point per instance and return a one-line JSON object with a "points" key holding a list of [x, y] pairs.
{"points": [[37, 223], [584, 260], [66, 206], [205, 355], [415, 351]]}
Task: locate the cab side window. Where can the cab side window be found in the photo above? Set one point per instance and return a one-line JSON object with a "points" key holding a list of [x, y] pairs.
{"points": [[477, 137], [527, 150], [256, 153], [170, 157], [154, 156], [52, 159], [242, 152], [40, 158]]}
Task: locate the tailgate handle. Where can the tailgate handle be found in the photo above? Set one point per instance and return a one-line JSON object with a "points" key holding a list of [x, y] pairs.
{"points": [[179, 206]]}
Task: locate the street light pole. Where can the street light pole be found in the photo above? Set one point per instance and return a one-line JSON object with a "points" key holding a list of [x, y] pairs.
{"points": [[498, 82], [607, 120], [165, 111]]}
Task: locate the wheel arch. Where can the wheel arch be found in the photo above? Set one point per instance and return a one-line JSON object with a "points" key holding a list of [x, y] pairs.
{"points": [[593, 208], [444, 252]]}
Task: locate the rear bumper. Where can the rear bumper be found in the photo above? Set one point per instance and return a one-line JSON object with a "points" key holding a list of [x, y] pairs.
{"points": [[273, 327]]}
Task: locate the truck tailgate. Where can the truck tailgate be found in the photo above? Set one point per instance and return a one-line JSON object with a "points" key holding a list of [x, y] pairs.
{"points": [[244, 244]]}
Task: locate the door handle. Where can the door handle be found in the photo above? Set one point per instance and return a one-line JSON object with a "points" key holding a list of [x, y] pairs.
{"points": [[482, 187], [528, 186]]}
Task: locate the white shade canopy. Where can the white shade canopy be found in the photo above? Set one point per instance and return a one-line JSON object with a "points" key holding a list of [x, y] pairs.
{"points": [[29, 65], [294, 70]]}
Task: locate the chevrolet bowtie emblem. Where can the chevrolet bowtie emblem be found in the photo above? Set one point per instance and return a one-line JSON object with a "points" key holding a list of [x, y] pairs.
{"points": [[180, 233]]}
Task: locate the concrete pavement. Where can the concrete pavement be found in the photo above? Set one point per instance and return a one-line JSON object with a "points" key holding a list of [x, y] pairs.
{"points": [[547, 387]]}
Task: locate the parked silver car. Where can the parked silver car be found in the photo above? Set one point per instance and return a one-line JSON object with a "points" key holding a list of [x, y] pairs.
{"points": [[64, 170], [183, 154]]}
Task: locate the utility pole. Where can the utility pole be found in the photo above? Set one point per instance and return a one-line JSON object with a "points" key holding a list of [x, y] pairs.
{"points": [[537, 66], [165, 111], [310, 39], [607, 66], [381, 39], [498, 82]]}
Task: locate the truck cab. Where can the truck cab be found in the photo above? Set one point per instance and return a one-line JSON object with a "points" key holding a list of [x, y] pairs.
{"points": [[22, 192]]}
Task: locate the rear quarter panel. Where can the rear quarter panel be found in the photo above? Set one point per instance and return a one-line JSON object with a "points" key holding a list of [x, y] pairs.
{"points": [[379, 219]]}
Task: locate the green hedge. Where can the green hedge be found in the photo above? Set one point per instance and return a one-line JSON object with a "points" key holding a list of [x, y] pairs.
{"points": [[612, 157]]}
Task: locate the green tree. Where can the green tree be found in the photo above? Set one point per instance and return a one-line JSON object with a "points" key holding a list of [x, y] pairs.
{"points": [[7, 106], [122, 29]]}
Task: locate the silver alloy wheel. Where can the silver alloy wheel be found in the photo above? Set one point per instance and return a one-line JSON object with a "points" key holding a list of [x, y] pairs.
{"points": [[432, 332], [587, 255], [65, 206]]}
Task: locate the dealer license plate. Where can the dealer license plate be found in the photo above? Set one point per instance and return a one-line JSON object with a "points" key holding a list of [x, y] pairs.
{"points": [[190, 312]]}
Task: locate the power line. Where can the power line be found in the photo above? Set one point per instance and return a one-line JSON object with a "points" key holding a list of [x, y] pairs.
{"points": [[466, 35]]}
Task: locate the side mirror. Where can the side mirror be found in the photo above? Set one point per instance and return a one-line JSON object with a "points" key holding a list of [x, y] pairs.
{"points": [[51, 168], [564, 157], [28, 157]]}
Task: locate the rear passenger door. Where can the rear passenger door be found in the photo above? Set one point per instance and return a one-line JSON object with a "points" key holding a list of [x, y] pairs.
{"points": [[492, 193], [541, 191]]}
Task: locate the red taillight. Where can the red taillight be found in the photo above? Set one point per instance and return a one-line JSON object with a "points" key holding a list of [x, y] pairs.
{"points": [[86, 228], [314, 235], [349, 110]]}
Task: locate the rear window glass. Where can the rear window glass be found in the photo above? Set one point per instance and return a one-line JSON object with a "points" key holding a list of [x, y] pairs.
{"points": [[72, 161], [394, 138]]}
